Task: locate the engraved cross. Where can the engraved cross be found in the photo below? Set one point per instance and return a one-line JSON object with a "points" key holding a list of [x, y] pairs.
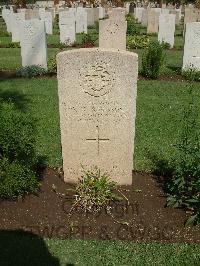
{"points": [[98, 140]]}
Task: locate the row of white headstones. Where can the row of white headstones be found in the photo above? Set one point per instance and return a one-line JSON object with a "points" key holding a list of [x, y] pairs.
{"points": [[112, 31], [159, 21], [31, 32]]}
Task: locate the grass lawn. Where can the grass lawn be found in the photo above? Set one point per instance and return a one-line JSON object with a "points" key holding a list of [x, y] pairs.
{"points": [[159, 106], [11, 57], [24, 250]]}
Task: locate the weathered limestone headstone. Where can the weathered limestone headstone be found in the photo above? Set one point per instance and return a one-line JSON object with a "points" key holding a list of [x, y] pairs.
{"points": [[117, 13], [138, 13], [165, 11], [42, 13], [17, 18], [153, 20], [81, 20], [8, 19], [33, 43], [97, 102], [144, 17], [90, 16], [48, 22], [96, 14], [176, 13], [166, 29], [191, 57], [32, 14], [101, 12], [112, 34], [67, 27]]}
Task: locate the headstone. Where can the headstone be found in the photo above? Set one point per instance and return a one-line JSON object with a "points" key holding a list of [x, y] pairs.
{"points": [[33, 43], [144, 17], [48, 22], [176, 13], [127, 6], [90, 16], [81, 20], [42, 13], [191, 57], [96, 14], [153, 20], [138, 13], [101, 12], [16, 21], [112, 34], [67, 27], [117, 14], [32, 14], [97, 102], [165, 11], [166, 29]]}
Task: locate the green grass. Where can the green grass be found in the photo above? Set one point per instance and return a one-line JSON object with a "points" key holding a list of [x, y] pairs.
{"points": [[159, 106], [11, 57], [41, 100], [22, 249]]}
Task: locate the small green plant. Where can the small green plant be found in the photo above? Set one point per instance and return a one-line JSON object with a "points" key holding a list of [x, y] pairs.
{"points": [[52, 65], [30, 71], [166, 45], [87, 40], [132, 29], [152, 60], [191, 74], [18, 160], [14, 45], [95, 190], [137, 42], [184, 188]]}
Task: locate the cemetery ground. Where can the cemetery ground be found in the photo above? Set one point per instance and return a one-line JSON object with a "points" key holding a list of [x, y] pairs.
{"points": [[58, 238]]}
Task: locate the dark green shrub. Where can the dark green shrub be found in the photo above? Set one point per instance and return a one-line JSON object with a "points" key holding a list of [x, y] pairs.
{"points": [[132, 29], [137, 42], [30, 71], [18, 159], [191, 74], [16, 179], [152, 60], [95, 190], [184, 187]]}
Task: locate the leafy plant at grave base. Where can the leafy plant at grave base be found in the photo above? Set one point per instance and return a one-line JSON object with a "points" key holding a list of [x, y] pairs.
{"points": [[95, 190], [30, 71], [152, 60], [191, 74], [18, 159], [14, 45], [184, 187], [132, 29], [52, 65], [137, 42], [166, 45], [87, 40]]}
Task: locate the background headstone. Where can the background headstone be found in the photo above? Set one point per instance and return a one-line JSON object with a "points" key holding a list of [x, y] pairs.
{"points": [[112, 34], [191, 58], [33, 43], [166, 29]]}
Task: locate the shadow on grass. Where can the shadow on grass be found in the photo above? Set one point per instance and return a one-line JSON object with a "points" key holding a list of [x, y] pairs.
{"points": [[162, 170], [21, 248], [20, 100]]}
